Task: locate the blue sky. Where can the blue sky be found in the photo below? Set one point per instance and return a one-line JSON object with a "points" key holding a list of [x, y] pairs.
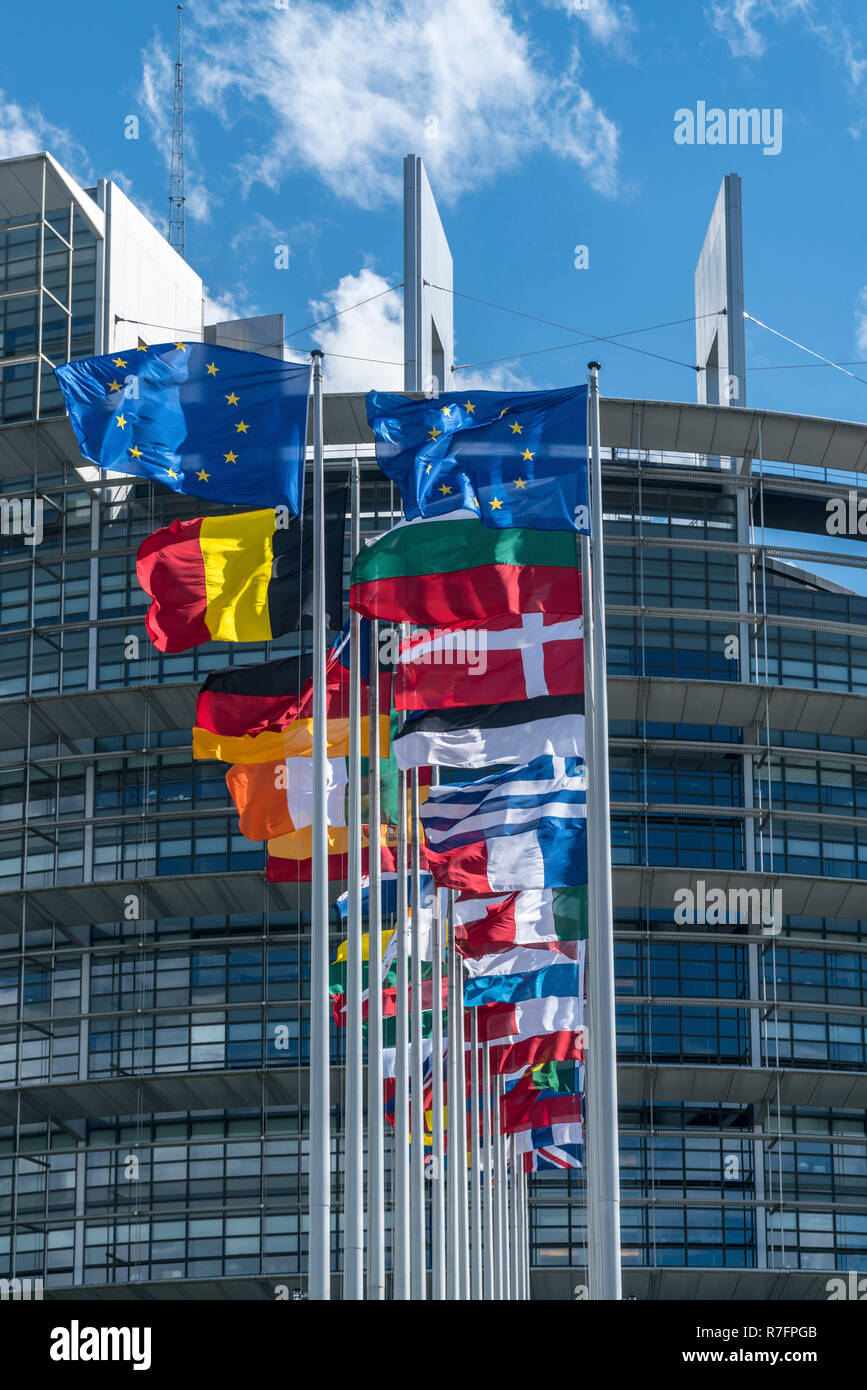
{"points": [[553, 126]]}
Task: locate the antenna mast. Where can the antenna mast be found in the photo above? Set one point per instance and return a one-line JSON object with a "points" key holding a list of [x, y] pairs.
{"points": [[177, 237]]}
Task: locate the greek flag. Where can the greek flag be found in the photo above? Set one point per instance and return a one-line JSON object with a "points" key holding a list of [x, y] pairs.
{"points": [[523, 827]]}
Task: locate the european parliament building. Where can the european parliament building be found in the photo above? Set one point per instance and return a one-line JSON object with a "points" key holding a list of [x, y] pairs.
{"points": [[153, 1139]]}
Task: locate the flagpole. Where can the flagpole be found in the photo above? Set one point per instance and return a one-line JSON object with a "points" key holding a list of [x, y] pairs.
{"points": [[604, 1208], [400, 1228], [460, 1110], [499, 1233], [375, 1141], [592, 1166], [528, 1265], [418, 1223], [525, 1232], [514, 1290], [319, 1071], [490, 1242], [476, 1173], [353, 1179], [454, 1042], [504, 1199], [437, 1183], [518, 1180]]}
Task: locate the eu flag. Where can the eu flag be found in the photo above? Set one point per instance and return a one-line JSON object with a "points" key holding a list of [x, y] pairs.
{"points": [[208, 421], [514, 458]]}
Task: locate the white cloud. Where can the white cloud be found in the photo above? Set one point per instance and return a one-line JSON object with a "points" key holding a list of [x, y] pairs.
{"points": [[373, 331], [376, 331], [608, 23], [861, 321], [227, 305], [733, 19], [737, 21], [28, 132], [346, 90], [503, 376], [157, 90]]}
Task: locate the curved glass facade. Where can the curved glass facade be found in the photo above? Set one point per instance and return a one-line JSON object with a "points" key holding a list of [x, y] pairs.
{"points": [[154, 1012]]}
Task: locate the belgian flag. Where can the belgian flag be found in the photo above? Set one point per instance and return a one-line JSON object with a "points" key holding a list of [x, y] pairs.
{"points": [[246, 577]]}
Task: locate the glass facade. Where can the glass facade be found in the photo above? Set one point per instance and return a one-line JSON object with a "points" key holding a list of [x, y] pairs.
{"points": [[154, 1015]]}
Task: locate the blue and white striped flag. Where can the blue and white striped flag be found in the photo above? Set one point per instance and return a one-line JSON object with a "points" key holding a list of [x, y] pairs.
{"points": [[524, 827]]}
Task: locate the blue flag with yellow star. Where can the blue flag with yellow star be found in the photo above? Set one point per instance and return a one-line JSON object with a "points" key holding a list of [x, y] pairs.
{"points": [[516, 458], [208, 421]]}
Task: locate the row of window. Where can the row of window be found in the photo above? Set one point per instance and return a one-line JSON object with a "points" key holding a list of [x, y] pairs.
{"points": [[275, 1244], [124, 785], [278, 1035], [43, 989], [54, 855]]}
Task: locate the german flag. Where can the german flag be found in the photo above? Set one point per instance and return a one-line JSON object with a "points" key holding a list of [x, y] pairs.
{"points": [[246, 577], [264, 713]]}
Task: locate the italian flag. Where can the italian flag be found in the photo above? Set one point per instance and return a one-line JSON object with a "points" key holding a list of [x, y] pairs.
{"points": [[453, 569], [540, 918]]}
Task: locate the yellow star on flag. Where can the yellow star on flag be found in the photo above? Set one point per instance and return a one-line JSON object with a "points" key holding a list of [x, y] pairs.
{"points": [[520, 483], [230, 457], [516, 428], [469, 406], [182, 347], [527, 455], [242, 427], [135, 452], [232, 398], [203, 475], [121, 422], [429, 467], [504, 411], [172, 474], [445, 490], [446, 410], [142, 347], [119, 362], [496, 504], [115, 385], [212, 369], [434, 432]]}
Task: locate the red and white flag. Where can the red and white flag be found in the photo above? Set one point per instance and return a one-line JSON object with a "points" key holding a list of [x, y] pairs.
{"points": [[512, 658], [527, 1034]]}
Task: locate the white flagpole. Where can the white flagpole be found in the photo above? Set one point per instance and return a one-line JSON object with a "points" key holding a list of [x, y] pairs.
{"points": [[499, 1183], [417, 1203], [592, 1199], [515, 1281], [518, 1186], [504, 1199], [437, 1182], [455, 1043], [476, 1172], [400, 1228], [525, 1233], [460, 1110], [375, 1138], [490, 1246], [319, 1071], [604, 1165], [353, 1178]]}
